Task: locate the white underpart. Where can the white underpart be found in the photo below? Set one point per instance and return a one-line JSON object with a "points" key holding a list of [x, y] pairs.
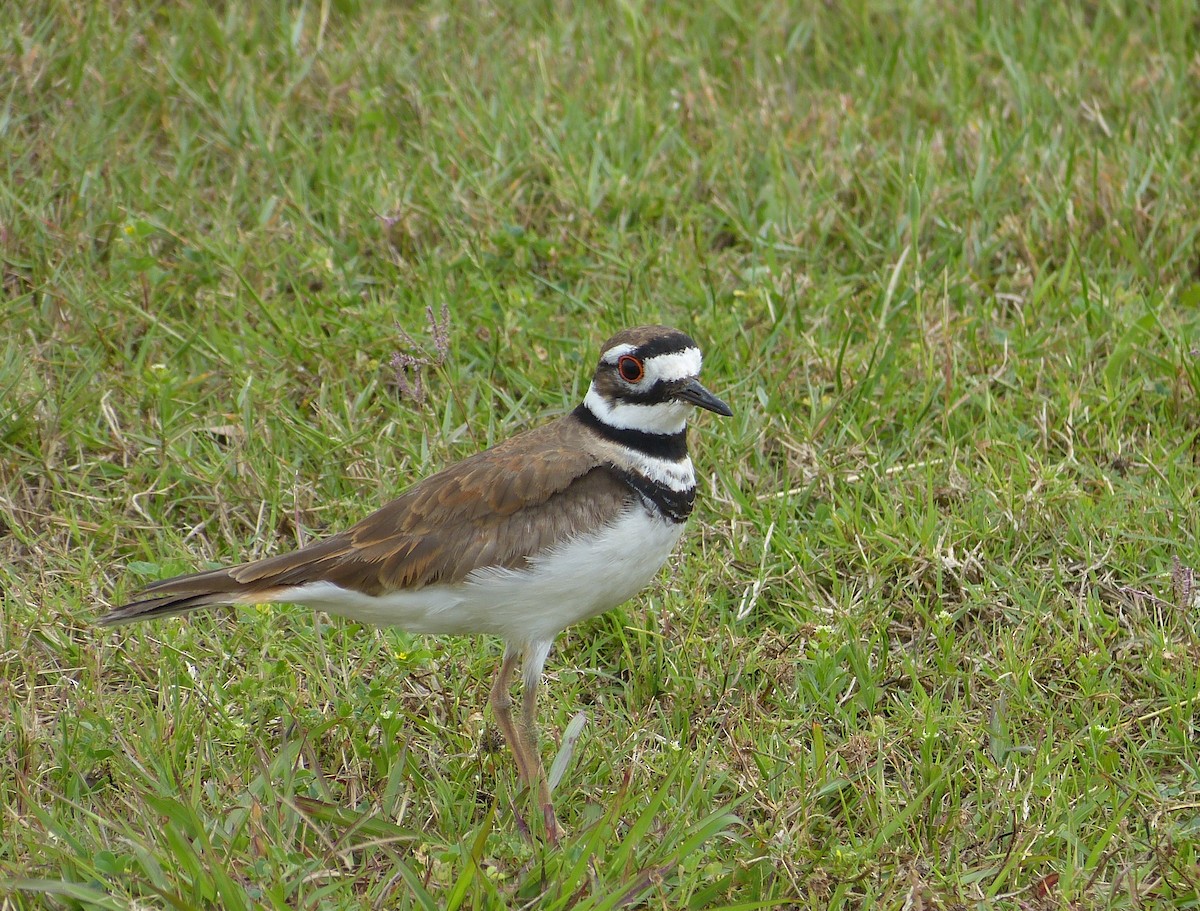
{"points": [[661, 417], [580, 578]]}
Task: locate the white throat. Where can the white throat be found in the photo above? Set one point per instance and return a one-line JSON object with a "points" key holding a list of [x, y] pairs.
{"points": [[660, 417]]}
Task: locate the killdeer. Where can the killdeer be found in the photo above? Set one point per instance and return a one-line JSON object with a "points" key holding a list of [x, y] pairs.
{"points": [[553, 526]]}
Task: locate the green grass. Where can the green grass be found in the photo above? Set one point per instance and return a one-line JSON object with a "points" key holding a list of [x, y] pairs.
{"points": [[931, 640]]}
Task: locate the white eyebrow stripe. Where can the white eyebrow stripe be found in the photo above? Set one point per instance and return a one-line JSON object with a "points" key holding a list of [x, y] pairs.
{"points": [[613, 354], [660, 417], [679, 365]]}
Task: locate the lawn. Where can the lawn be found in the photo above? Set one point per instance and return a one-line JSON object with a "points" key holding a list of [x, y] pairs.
{"points": [[932, 638]]}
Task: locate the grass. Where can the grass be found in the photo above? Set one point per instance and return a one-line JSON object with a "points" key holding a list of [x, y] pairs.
{"points": [[932, 639]]}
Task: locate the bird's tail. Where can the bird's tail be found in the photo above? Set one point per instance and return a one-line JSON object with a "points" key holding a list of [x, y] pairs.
{"points": [[259, 582], [184, 594]]}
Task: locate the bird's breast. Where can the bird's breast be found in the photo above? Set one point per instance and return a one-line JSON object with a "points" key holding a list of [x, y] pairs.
{"points": [[580, 578]]}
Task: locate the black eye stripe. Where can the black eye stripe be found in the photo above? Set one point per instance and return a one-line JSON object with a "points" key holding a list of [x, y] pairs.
{"points": [[657, 394]]}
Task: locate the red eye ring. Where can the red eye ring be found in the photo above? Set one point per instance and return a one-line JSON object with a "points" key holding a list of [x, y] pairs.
{"points": [[631, 369]]}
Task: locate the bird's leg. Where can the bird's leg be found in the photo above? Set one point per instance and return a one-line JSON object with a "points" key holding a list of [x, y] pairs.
{"points": [[531, 671], [529, 733], [523, 740], [502, 708]]}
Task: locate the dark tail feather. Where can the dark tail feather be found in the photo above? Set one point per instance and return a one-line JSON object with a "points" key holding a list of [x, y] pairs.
{"points": [[183, 594], [151, 608], [259, 582]]}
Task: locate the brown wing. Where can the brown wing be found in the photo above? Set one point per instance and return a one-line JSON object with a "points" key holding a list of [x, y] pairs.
{"points": [[497, 508]]}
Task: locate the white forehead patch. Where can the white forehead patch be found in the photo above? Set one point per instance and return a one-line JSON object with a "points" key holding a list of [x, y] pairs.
{"points": [[680, 365]]}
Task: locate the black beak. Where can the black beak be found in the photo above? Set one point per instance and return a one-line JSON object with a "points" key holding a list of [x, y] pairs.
{"points": [[693, 392]]}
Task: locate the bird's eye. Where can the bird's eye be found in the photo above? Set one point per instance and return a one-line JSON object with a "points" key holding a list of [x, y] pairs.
{"points": [[632, 370]]}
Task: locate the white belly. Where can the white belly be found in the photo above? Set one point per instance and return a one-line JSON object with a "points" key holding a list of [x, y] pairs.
{"points": [[579, 579]]}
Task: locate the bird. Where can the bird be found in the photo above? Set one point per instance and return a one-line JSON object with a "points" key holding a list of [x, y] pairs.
{"points": [[548, 528]]}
